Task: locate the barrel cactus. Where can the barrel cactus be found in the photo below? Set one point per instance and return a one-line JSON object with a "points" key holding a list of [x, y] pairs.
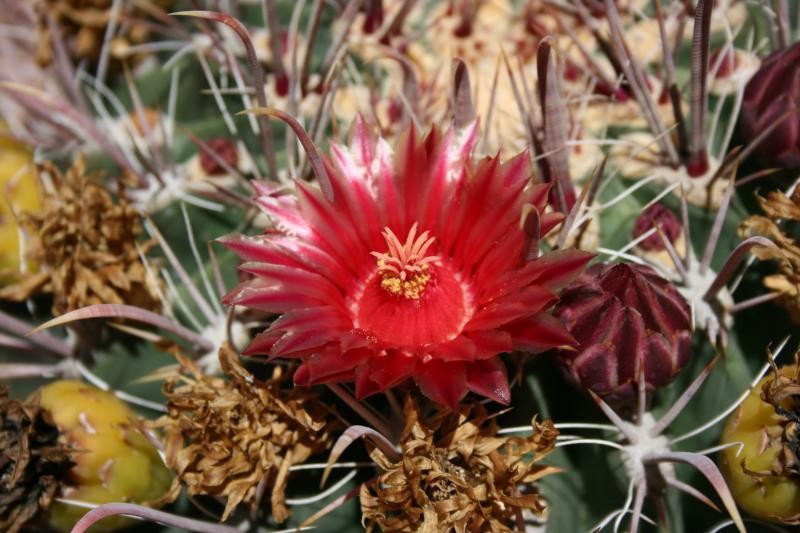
{"points": [[237, 240]]}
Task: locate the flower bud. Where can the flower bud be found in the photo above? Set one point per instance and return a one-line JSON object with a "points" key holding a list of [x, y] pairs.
{"points": [[656, 216], [773, 91], [628, 322], [224, 149]]}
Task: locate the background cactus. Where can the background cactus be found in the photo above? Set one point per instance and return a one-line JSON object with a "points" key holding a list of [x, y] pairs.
{"points": [[635, 113]]}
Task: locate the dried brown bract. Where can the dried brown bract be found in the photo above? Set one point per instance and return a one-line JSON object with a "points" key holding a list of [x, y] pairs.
{"points": [[85, 244], [779, 208], [237, 437], [33, 462], [457, 474]]}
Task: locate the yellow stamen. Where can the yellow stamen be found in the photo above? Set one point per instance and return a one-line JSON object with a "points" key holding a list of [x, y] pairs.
{"points": [[404, 268]]}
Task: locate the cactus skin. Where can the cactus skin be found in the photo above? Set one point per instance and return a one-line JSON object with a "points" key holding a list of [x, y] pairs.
{"points": [[627, 320], [119, 464], [773, 91]]}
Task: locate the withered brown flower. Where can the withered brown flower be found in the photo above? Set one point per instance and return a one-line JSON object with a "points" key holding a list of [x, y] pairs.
{"points": [[33, 462], [778, 207], [83, 25], [237, 437], [85, 244], [457, 474]]}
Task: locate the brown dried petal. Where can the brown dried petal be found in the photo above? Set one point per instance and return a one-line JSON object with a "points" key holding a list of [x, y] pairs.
{"points": [[85, 244], [226, 437], [456, 474], [779, 208], [33, 463]]}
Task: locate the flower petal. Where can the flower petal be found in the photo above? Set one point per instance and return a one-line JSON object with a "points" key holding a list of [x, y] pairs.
{"points": [[445, 383], [489, 378]]}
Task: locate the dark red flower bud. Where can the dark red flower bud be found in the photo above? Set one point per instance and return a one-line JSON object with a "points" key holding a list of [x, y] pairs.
{"points": [[374, 19], [224, 149], [656, 216], [773, 91], [628, 321]]}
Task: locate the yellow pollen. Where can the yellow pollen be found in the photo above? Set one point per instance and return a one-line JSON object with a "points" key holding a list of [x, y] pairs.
{"points": [[405, 268]]}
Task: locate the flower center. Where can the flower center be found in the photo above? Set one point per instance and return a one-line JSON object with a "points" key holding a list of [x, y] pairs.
{"points": [[405, 267], [413, 298]]}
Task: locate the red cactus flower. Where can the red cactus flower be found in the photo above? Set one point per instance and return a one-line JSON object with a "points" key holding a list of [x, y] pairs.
{"points": [[628, 321], [419, 267], [773, 91]]}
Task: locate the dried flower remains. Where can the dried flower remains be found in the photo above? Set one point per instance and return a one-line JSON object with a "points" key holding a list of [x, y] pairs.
{"points": [[33, 462], [457, 474], [778, 210], [238, 436], [86, 245]]}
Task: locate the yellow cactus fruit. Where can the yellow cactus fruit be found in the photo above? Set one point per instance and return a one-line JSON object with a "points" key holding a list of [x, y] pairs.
{"points": [[762, 477], [20, 193], [118, 463]]}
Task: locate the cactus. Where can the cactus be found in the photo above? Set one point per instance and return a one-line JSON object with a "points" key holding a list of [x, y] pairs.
{"points": [[274, 230]]}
